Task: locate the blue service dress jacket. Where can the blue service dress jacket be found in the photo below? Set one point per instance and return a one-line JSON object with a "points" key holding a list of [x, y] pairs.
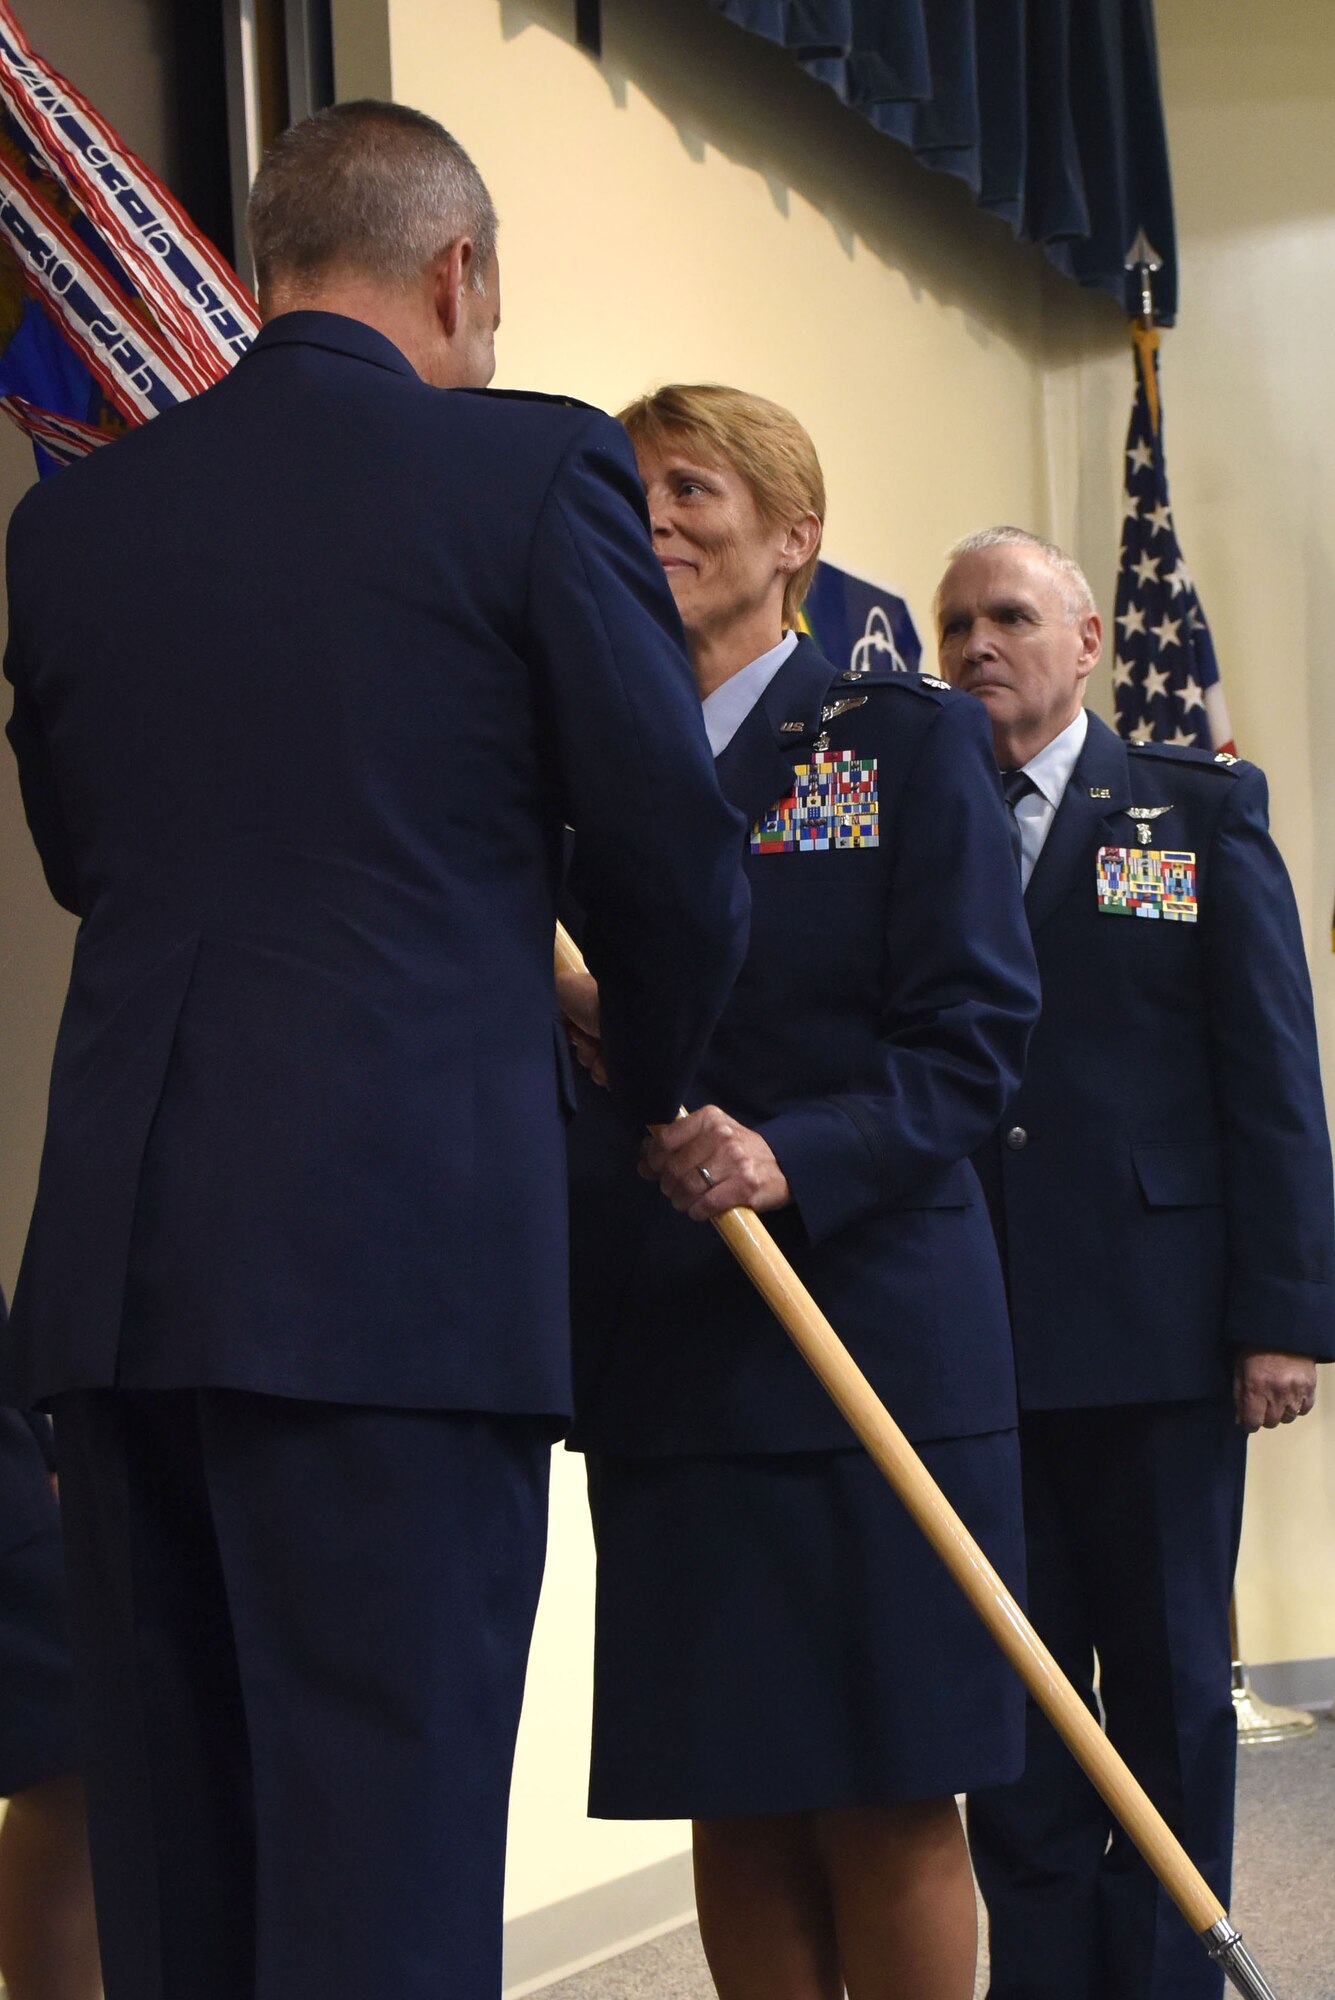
{"points": [[308, 675], [1161, 1181], [875, 1032]]}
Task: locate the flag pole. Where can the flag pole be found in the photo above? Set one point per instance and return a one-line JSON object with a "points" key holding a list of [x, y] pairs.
{"points": [[1144, 260], [820, 1347]]}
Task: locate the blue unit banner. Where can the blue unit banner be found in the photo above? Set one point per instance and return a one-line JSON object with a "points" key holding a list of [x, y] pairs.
{"points": [[859, 624]]}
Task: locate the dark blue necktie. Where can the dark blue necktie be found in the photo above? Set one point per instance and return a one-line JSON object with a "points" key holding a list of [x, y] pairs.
{"points": [[1016, 785]]}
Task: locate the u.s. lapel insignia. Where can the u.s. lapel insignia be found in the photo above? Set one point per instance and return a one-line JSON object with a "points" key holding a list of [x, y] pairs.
{"points": [[1142, 815], [1147, 882], [791, 728], [1100, 792], [833, 805]]}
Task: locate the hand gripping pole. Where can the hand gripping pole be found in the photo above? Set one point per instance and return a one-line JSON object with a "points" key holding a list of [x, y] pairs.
{"points": [[823, 1351]]}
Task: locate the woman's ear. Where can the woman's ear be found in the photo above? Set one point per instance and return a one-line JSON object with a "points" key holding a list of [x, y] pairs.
{"points": [[801, 541]]}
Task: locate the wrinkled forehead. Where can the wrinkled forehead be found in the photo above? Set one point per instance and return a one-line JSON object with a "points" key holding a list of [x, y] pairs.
{"points": [[985, 581]]}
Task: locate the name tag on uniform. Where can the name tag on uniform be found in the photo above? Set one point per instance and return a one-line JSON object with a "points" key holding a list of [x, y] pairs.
{"points": [[1148, 882], [833, 805]]}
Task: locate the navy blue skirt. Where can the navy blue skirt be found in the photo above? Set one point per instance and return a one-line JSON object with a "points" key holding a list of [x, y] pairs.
{"points": [[775, 1635]]}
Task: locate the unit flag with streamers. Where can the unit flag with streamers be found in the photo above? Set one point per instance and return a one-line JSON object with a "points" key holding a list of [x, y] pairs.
{"points": [[113, 307]]}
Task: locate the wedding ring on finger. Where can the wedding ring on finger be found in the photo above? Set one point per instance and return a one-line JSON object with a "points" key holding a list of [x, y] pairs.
{"points": [[706, 1176]]}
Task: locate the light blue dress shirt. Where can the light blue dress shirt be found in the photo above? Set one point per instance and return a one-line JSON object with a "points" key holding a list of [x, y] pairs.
{"points": [[728, 707], [1051, 772]]}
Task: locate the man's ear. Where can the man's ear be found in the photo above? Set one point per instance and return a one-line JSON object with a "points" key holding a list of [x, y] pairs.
{"points": [[1091, 642], [453, 270]]}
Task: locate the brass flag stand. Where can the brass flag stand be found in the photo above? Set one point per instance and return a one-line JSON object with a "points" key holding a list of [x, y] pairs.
{"points": [[823, 1351], [1261, 1721]]}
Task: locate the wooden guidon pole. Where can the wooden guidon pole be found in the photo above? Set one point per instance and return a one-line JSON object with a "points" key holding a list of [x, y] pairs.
{"points": [[820, 1347]]}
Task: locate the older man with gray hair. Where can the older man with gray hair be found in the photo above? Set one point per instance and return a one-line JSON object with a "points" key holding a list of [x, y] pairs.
{"points": [[295, 1286], [1161, 1191]]}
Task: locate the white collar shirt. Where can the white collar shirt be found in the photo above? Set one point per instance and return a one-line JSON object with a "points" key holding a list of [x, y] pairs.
{"points": [[1050, 771], [726, 709]]}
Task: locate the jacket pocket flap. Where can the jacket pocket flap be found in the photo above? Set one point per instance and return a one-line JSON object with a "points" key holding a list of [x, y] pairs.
{"points": [[1185, 1175]]}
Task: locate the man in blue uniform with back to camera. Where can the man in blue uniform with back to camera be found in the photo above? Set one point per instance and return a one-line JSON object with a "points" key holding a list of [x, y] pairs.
{"points": [[1161, 1191], [347, 654]]}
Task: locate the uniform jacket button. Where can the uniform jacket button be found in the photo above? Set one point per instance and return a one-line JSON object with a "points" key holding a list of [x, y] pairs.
{"points": [[1017, 1138]]}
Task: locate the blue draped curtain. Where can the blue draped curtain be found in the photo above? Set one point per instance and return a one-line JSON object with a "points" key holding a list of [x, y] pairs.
{"points": [[1049, 110]]}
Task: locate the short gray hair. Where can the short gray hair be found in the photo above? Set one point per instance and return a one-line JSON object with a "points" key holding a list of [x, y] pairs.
{"points": [[1076, 593], [370, 187]]}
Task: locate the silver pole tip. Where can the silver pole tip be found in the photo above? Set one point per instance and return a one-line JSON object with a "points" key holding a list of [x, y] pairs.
{"points": [[1224, 1944]]}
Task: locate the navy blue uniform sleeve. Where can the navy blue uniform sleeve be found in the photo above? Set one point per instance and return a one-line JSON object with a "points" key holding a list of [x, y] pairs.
{"points": [[36, 781], [1277, 1166], [959, 1002], [658, 850]]}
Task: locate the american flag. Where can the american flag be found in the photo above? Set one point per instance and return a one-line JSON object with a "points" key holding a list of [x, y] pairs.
{"points": [[1165, 676], [112, 305]]}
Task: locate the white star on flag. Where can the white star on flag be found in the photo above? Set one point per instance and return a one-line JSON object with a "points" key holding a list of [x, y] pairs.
{"points": [[1130, 507], [1156, 682], [1147, 569], [1161, 517], [1190, 696], [1178, 579], [1143, 732], [1132, 621], [1141, 457], [1166, 632], [1184, 737], [1124, 672]]}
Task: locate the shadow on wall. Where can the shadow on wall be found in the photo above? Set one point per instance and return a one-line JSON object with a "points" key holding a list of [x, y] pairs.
{"points": [[722, 88]]}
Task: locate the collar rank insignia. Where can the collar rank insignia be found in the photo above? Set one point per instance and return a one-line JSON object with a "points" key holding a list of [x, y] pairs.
{"points": [[833, 805], [1142, 816], [1224, 757], [933, 681], [841, 707], [1147, 882]]}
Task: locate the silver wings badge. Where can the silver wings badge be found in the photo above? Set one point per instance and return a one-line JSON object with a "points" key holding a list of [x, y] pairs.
{"points": [[1142, 816]]}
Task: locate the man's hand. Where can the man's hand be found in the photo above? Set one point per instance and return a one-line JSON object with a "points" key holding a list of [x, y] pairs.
{"points": [[743, 1172], [577, 996], [1271, 1389]]}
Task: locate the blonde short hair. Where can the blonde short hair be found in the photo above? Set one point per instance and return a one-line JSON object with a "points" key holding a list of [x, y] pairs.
{"points": [[759, 439]]}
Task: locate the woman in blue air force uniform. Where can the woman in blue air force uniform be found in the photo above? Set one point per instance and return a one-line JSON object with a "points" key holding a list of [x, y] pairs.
{"points": [[779, 1656]]}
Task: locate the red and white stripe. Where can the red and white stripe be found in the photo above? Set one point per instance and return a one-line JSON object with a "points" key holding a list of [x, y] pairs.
{"points": [[139, 218]]}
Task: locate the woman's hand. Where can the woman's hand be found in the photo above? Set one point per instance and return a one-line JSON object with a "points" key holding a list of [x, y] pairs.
{"points": [[707, 1163], [577, 996]]}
